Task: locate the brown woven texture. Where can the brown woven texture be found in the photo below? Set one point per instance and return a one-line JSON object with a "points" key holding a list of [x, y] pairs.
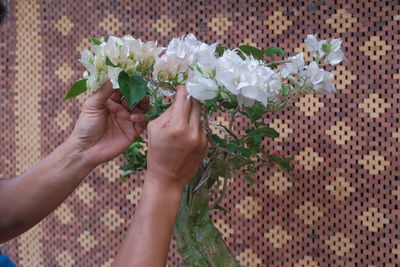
{"points": [[343, 212]]}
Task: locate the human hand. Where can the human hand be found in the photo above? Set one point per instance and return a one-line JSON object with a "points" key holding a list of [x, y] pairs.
{"points": [[177, 142], [105, 127]]}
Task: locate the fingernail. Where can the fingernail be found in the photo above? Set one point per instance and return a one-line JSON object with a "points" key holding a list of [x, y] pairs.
{"points": [[135, 117]]}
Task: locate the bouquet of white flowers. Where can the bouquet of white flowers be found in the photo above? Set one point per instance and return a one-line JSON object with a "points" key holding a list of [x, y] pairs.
{"points": [[207, 70], [238, 82]]}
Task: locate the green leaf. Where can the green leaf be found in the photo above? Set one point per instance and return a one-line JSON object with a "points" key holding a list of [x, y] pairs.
{"points": [[273, 66], [228, 104], [109, 63], [218, 207], [265, 131], [238, 149], [139, 139], [221, 49], [198, 68], [256, 111], [240, 54], [284, 164], [229, 131], [249, 179], [97, 41], [285, 90], [232, 148], [218, 140], [133, 88], [254, 51], [211, 102], [272, 51], [292, 90], [211, 105], [76, 89], [326, 47]]}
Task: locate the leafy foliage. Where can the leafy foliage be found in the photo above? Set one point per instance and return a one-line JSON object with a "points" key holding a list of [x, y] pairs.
{"points": [[109, 63], [97, 41], [76, 89], [272, 51], [133, 88], [254, 51], [136, 156]]}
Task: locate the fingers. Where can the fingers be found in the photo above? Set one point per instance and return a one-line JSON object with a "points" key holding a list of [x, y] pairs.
{"points": [[143, 106], [139, 122], [98, 100], [182, 105], [117, 109], [124, 103], [116, 96], [195, 115]]}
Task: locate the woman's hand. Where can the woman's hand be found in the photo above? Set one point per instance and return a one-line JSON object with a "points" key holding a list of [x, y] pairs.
{"points": [[177, 142], [105, 127]]}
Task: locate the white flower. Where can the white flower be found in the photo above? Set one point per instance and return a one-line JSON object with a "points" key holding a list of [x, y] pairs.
{"points": [[113, 73], [99, 49], [183, 48], [244, 101], [131, 66], [142, 53], [335, 55], [296, 65], [267, 85], [116, 50], [201, 87], [313, 45], [205, 57], [95, 77], [248, 79], [95, 81], [319, 78], [87, 60], [180, 54], [228, 71], [335, 44], [249, 84], [169, 68], [326, 85], [313, 73], [85, 75]]}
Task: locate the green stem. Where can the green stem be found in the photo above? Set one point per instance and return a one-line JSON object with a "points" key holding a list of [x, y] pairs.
{"points": [[199, 241]]}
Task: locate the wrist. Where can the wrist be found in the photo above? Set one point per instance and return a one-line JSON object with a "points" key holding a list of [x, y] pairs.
{"points": [[73, 152], [158, 185]]}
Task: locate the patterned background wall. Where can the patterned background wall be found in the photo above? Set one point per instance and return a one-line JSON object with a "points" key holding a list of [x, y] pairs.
{"points": [[343, 212]]}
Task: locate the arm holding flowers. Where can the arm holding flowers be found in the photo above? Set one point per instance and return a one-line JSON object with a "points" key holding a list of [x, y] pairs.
{"points": [[104, 130], [177, 146]]}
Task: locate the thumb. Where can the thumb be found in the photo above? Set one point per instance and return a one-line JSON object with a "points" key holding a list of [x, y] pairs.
{"points": [[99, 99]]}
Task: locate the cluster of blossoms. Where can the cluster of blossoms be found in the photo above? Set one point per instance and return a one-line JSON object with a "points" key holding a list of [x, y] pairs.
{"points": [[312, 77], [117, 54], [232, 75], [187, 60]]}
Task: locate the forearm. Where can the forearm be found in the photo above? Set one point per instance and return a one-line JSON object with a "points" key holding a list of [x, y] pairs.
{"points": [[25, 200], [148, 238]]}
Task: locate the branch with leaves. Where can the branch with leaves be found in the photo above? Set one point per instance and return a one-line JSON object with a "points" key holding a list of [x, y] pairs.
{"points": [[246, 81]]}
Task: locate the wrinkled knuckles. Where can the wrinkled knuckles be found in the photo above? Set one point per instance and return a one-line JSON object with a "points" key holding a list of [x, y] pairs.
{"points": [[178, 134], [194, 138]]}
